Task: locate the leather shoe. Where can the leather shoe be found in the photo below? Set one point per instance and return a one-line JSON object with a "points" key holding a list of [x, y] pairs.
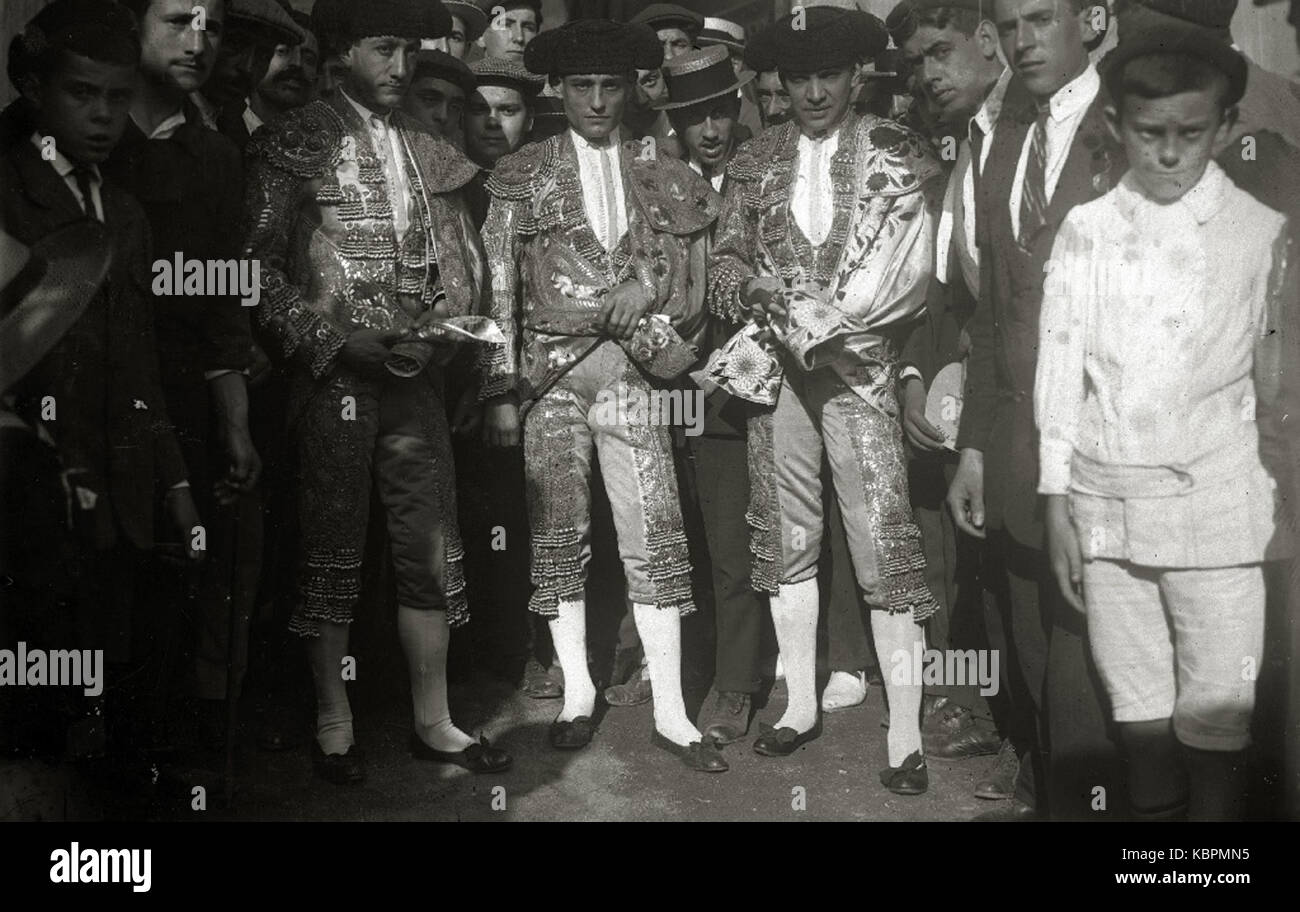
{"points": [[782, 742], [911, 778], [1014, 811], [633, 692], [702, 756], [728, 720], [542, 683], [341, 769], [571, 735], [972, 741], [480, 757], [1000, 784]]}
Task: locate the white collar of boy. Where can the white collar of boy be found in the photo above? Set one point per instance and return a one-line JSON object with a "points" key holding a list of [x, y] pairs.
{"points": [[1075, 95], [62, 165], [1202, 201], [986, 117]]}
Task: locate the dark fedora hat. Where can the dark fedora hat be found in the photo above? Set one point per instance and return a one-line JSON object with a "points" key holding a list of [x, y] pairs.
{"points": [[700, 75]]}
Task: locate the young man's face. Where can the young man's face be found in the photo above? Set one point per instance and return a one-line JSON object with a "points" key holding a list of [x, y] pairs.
{"points": [[773, 99], [819, 101], [707, 129], [84, 105], [675, 42], [379, 70], [593, 104], [508, 32], [172, 51], [1169, 141], [496, 122], [439, 104], [954, 70], [1044, 41], [455, 43], [290, 77]]}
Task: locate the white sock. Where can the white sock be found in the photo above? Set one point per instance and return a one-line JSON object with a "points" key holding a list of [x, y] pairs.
{"points": [[425, 636], [794, 615], [660, 630], [325, 654], [569, 634], [892, 633]]}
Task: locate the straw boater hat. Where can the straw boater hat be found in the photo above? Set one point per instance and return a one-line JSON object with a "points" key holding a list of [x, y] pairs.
{"points": [[700, 75], [722, 31], [1198, 28], [470, 13]]}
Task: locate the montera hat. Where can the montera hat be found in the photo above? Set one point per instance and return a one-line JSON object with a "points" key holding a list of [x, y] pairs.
{"points": [[721, 31], [503, 71], [814, 38], [700, 75], [594, 46], [1197, 28], [409, 19]]}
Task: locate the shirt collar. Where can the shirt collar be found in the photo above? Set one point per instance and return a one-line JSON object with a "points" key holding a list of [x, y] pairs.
{"points": [[832, 136], [207, 110], [366, 113], [251, 121], [986, 117], [61, 163], [1202, 201], [167, 127], [1075, 95], [581, 142]]}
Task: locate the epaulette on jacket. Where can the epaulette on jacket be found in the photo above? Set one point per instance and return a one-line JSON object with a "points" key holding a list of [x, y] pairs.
{"points": [[755, 156], [517, 174], [445, 168], [677, 200], [901, 159], [305, 142]]}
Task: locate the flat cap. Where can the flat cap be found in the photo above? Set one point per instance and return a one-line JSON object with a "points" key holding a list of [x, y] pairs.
{"points": [[503, 71], [670, 15], [444, 66]]}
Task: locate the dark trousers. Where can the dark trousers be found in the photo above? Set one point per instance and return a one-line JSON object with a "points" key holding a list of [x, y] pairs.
{"points": [[1058, 717], [848, 636], [721, 467]]}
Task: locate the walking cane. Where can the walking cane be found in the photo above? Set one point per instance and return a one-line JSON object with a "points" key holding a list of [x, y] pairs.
{"points": [[232, 700]]}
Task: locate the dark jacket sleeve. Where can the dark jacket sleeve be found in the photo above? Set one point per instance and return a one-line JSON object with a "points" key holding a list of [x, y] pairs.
{"points": [[980, 396], [227, 337]]}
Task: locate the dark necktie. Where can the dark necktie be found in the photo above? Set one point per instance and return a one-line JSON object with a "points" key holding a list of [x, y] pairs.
{"points": [[1033, 196], [83, 177]]}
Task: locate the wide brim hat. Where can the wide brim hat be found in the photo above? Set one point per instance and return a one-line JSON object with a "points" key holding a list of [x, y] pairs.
{"points": [[670, 15], [46, 290], [1148, 31], [700, 75], [470, 13], [829, 37], [594, 46]]}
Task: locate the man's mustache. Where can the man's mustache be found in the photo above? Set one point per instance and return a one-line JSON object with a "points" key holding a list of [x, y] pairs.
{"points": [[291, 73]]}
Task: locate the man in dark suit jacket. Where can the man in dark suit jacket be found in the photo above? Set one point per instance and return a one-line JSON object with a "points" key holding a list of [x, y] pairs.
{"points": [[97, 392], [1050, 153]]}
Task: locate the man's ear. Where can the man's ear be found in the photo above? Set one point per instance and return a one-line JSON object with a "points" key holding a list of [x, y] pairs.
{"points": [[1113, 123], [986, 36], [29, 85], [1094, 20], [1224, 133]]}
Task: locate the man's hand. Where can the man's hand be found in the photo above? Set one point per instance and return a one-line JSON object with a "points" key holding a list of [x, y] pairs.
{"points": [[501, 421], [468, 415], [367, 350], [623, 309], [966, 493], [762, 297], [920, 432], [184, 516], [1063, 551], [245, 466]]}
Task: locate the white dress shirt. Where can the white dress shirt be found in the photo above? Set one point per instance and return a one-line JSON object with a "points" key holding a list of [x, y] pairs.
{"points": [[388, 145], [64, 168], [251, 121], [166, 128], [957, 222], [812, 200], [598, 198], [715, 180], [1065, 113]]}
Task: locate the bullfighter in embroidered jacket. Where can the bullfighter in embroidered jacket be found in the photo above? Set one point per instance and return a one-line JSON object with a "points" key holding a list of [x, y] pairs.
{"points": [[825, 244], [596, 247], [370, 267]]}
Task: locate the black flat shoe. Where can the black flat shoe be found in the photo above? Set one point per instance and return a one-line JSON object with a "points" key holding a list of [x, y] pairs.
{"points": [[911, 778], [571, 735], [702, 756], [480, 757], [340, 769], [782, 742]]}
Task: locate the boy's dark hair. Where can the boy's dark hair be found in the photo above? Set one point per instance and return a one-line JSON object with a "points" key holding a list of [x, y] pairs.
{"points": [[101, 30], [962, 20], [1162, 75]]}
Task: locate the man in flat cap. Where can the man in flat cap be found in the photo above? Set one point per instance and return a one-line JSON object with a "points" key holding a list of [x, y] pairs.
{"points": [[596, 251], [436, 98], [825, 246], [369, 259], [290, 80], [498, 118], [468, 22], [676, 26], [511, 25]]}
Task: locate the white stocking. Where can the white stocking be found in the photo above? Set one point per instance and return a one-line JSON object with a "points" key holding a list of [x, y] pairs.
{"points": [[894, 633], [425, 637], [794, 615], [569, 634], [325, 654], [660, 630]]}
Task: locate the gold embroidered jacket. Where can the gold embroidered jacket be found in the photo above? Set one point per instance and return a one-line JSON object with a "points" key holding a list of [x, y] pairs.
{"points": [[549, 270], [322, 226]]}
